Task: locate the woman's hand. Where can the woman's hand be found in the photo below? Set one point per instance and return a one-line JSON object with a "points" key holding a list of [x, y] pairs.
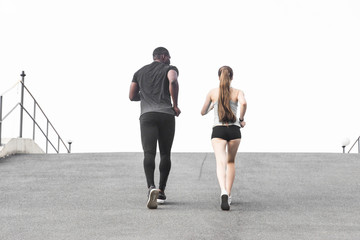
{"points": [[242, 123]]}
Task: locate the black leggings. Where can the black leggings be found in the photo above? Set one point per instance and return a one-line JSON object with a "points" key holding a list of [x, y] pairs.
{"points": [[157, 127]]}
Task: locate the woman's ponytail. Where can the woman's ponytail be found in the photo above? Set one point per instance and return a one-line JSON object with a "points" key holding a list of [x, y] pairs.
{"points": [[225, 113]]}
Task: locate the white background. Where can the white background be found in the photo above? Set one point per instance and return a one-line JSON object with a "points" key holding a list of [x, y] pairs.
{"points": [[297, 62]]}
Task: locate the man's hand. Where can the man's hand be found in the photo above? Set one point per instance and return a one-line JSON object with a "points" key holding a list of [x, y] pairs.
{"points": [[177, 111]]}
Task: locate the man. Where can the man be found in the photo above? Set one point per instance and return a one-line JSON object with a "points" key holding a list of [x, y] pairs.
{"points": [[155, 85]]}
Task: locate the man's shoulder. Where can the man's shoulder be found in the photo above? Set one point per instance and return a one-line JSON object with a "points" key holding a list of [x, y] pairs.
{"points": [[144, 67], [171, 67], [156, 66]]}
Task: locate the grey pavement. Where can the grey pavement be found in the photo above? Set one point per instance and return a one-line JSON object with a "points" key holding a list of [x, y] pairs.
{"points": [[103, 196]]}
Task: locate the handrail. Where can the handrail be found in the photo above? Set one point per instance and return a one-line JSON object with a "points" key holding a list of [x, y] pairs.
{"points": [[10, 88], [357, 141], [10, 111], [48, 122], [35, 123]]}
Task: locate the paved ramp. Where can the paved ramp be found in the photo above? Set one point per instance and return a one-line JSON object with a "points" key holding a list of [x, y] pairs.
{"points": [[103, 196]]}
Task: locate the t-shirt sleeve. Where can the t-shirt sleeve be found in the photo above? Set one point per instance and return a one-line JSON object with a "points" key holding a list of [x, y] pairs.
{"points": [[135, 79], [174, 68]]}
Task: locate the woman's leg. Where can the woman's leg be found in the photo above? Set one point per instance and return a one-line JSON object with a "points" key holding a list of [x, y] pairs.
{"points": [[219, 146], [232, 146]]}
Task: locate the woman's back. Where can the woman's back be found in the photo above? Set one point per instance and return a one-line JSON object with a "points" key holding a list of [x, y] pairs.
{"points": [[233, 105], [234, 93]]}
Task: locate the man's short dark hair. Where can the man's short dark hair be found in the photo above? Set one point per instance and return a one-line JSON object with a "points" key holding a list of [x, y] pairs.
{"points": [[160, 51]]}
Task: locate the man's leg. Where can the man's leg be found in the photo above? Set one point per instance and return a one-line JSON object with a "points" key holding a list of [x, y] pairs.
{"points": [[149, 135], [166, 137]]}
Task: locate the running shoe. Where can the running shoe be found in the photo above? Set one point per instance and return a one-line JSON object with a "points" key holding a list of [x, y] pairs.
{"points": [[152, 198], [162, 197], [229, 200], [225, 202]]}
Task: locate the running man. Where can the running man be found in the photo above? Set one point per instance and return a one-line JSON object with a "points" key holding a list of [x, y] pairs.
{"points": [[156, 86]]}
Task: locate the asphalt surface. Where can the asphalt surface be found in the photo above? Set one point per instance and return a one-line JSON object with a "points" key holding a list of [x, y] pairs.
{"points": [[103, 196]]}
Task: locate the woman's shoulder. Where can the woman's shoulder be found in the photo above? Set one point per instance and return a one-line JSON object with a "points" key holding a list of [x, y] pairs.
{"points": [[235, 94], [237, 91], [234, 91], [214, 93]]}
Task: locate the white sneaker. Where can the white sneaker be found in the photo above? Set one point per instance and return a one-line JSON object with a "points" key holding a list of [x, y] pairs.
{"points": [[152, 198], [229, 200]]}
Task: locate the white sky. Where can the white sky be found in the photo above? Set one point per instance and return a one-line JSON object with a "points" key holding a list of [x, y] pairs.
{"points": [[297, 62]]}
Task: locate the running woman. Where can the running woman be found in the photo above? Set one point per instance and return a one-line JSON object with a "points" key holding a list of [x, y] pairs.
{"points": [[226, 133]]}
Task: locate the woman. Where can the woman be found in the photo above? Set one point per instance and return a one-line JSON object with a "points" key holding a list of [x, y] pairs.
{"points": [[226, 133]]}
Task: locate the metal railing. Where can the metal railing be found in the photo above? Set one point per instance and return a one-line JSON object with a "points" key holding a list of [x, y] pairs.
{"points": [[358, 142], [33, 118]]}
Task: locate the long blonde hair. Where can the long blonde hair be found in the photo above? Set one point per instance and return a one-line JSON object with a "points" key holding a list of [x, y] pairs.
{"points": [[224, 110]]}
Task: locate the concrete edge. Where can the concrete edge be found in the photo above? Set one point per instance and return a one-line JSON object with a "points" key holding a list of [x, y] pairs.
{"points": [[18, 146]]}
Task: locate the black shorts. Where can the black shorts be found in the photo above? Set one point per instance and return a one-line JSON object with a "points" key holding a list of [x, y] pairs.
{"points": [[227, 133]]}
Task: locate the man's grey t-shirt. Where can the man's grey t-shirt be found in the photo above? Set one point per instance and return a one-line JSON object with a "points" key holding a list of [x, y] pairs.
{"points": [[154, 87]]}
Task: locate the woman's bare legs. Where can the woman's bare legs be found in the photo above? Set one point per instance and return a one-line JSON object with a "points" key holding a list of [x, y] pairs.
{"points": [[232, 146], [219, 146], [225, 167], [225, 161]]}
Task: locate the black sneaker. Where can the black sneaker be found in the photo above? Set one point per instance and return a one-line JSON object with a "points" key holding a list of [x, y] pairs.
{"points": [[162, 197], [152, 198], [225, 202]]}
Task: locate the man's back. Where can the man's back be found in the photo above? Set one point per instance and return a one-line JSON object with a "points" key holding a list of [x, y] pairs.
{"points": [[154, 87]]}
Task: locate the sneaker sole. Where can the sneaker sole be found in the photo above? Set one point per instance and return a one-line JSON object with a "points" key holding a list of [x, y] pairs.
{"points": [[161, 201], [225, 202], [152, 200]]}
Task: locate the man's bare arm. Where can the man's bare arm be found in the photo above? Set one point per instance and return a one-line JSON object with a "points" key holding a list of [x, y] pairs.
{"points": [[174, 90], [134, 94]]}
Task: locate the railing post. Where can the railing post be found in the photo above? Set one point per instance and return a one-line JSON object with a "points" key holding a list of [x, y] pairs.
{"points": [[58, 149], [22, 102], [47, 134], [1, 98], [34, 120], [69, 142]]}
